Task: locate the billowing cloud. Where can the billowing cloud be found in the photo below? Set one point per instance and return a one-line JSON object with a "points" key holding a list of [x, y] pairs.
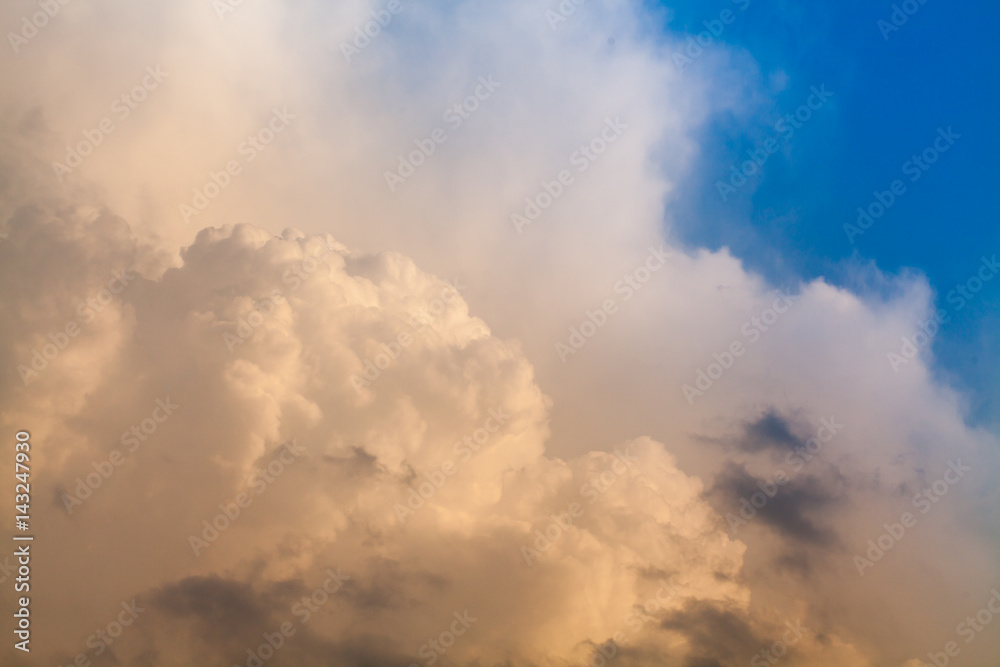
{"points": [[425, 485], [329, 412]]}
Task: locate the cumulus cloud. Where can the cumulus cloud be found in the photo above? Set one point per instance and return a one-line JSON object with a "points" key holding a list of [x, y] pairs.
{"points": [[397, 486], [370, 377], [356, 500]]}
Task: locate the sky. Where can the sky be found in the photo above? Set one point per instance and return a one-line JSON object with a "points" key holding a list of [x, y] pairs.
{"points": [[520, 333], [893, 89]]}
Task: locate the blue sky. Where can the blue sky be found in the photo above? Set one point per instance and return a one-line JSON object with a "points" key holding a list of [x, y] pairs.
{"points": [[890, 97]]}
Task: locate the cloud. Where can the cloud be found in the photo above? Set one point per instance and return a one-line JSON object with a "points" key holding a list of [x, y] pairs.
{"points": [[771, 430], [368, 454], [485, 528], [789, 509], [276, 314], [718, 636], [222, 611]]}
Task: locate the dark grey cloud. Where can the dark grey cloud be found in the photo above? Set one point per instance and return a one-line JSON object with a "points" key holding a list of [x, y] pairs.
{"points": [[718, 636], [770, 431], [228, 616], [364, 650], [791, 512], [359, 464], [222, 608], [388, 585], [798, 562], [702, 662]]}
